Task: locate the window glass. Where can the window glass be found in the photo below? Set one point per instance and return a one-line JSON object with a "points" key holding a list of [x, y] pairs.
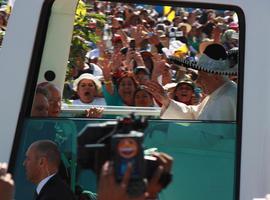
{"points": [[170, 61], [178, 62], [204, 156]]}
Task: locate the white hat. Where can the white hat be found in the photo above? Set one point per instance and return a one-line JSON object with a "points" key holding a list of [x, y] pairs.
{"points": [[186, 25], [89, 77]]}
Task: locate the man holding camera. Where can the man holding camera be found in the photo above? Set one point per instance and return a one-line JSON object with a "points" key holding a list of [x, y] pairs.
{"points": [[110, 189]]}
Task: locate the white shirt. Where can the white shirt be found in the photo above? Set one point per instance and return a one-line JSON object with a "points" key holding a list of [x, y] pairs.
{"points": [[43, 182], [220, 105], [97, 71]]}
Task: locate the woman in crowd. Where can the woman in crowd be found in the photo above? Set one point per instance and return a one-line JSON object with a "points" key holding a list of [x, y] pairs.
{"points": [[121, 92], [88, 88], [142, 98]]}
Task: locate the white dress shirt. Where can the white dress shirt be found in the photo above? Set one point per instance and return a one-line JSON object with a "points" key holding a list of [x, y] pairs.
{"points": [[42, 183]]}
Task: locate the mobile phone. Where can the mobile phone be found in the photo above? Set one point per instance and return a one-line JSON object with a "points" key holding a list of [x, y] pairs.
{"points": [[150, 34], [124, 50], [132, 44], [179, 34], [127, 148]]}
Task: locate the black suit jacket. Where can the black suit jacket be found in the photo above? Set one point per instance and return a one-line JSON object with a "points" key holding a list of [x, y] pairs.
{"points": [[55, 189]]}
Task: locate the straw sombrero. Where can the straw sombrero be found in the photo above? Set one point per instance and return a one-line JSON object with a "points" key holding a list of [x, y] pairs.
{"points": [[215, 59]]}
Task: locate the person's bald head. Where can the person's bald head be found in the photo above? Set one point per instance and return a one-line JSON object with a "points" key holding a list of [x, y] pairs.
{"points": [[42, 160], [48, 149]]}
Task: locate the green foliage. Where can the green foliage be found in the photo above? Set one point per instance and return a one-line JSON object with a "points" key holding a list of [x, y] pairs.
{"points": [[82, 34]]}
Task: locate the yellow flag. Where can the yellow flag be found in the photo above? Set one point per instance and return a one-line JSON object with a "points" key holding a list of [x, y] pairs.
{"points": [[181, 51], [81, 9], [169, 13]]}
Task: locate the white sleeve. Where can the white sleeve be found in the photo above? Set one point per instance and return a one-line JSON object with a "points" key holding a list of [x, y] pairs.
{"points": [[177, 110]]}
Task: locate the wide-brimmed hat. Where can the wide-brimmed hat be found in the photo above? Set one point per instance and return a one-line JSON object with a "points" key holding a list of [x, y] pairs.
{"points": [[187, 82], [173, 85], [229, 35], [214, 60], [186, 25], [89, 77], [204, 43]]}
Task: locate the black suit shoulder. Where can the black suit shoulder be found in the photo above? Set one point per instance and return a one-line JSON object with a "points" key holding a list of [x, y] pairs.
{"points": [[55, 189]]}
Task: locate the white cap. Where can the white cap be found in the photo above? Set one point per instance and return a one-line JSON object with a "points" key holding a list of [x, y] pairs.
{"points": [[92, 54]]}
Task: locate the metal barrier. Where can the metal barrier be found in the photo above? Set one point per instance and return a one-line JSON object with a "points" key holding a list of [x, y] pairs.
{"points": [[76, 110]]}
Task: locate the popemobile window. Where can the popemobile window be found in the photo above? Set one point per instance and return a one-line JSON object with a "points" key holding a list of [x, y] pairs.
{"points": [[172, 67], [161, 61]]}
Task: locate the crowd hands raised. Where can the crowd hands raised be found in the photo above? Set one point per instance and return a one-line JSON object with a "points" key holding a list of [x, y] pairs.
{"points": [[129, 65]]}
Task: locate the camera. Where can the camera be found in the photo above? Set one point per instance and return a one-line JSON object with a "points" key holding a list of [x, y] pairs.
{"points": [[179, 34], [120, 141], [172, 32]]}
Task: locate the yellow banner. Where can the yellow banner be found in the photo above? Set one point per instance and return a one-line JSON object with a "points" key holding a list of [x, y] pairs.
{"points": [[169, 13]]}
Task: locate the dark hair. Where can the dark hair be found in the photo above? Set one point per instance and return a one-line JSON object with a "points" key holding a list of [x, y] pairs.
{"points": [[142, 88], [4, 18], [127, 75], [208, 29], [147, 55]]}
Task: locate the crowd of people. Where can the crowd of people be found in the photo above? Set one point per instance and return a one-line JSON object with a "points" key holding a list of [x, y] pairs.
{"points": [[142, 50], [4, 15]]}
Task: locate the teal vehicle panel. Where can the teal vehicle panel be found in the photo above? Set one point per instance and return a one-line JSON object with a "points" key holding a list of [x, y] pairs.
{"points": [[204, 155]]}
